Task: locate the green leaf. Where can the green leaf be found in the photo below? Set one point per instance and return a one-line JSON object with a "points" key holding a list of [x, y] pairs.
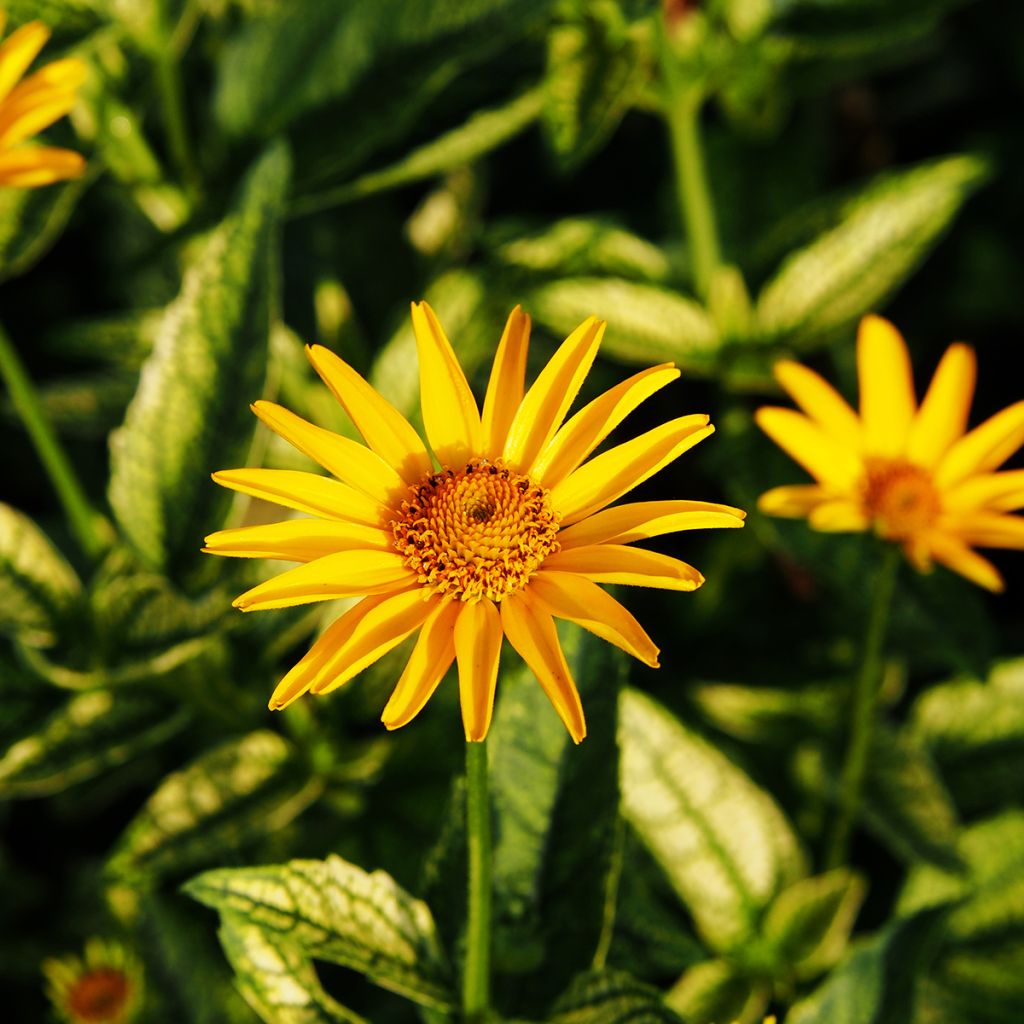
{"points": [[854, 267], [190, 414], [646, 324], [242, 789], [31, 219], [611, 997], [485, 130], [715, 991], [875, 983], [276, 978], [975, 733], [808, 925], [91, 733], [335, 911], [578, 246], [723, 842], [38, 588], [592, 79]]}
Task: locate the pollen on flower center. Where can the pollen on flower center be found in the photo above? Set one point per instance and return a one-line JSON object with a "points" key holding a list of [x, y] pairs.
{"points": [[479, 532], [99, 995], [899, 497]]}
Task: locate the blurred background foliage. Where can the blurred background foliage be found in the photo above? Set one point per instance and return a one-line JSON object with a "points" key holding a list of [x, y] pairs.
{"points": [[266, 173]]}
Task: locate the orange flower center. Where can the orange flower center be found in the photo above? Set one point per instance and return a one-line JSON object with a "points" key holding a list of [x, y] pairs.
{"points": [[99, 996], [479, 532], [899, 498]]}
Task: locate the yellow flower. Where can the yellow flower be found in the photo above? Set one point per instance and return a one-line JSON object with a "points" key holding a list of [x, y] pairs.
{"points": [[103, 987], [29, 106], [911, 473], [509, 531]]}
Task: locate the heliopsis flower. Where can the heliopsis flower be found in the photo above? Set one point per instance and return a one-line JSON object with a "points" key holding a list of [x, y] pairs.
{"points": [[29, 106], [103, 987], [913, 474], [509, 530]]}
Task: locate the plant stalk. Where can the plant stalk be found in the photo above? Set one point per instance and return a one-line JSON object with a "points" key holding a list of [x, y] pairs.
{"points": [[864, 702], [477, 968], [83, 520]]}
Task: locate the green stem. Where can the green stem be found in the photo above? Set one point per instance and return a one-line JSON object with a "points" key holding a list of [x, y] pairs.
{"points": [[85, 523], [172, 101], [477, 968], [864, 700], [683, 103]]}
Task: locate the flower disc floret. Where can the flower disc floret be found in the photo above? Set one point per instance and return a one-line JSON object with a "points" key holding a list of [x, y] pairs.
{"points": [[900, 498], [480, 532]]}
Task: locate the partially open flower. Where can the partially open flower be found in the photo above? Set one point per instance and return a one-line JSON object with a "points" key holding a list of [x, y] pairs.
{"points": [[103, 987], [509, 530], [911, 473], [30, 105]]}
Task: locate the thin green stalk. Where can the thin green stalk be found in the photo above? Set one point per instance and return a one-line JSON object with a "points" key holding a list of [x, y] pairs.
{"points": [[477, 969], [683, 103], [84, 521], [172, 102], [864, 701]]}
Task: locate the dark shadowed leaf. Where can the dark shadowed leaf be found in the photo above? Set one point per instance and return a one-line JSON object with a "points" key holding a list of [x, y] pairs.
{"points": [[31, 219], [611, 997]]}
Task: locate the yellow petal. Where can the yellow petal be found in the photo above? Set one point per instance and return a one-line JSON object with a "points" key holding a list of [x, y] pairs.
{"points": [[942, 417], [450, 415], [383, 427], [345, 574], [18, 51], [34, 166], [887, 402], [298, 540], [956, 555], [505, 387], [987, 529], [616, 563], [794, 501], [820, 401], [568, 596], [532, 633], [611, 474], [999, 492], [29, 114], [838, 515], [305, 492], [985, 448], [430, 659], [826, 459], [639, 520], [594, 422], [478, 636], [348, 460], [544, 406], [383, 627]]}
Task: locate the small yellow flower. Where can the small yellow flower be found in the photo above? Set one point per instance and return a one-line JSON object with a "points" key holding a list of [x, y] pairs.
{"points": [[911, 473], [508, 530], [29, 106], [103, 987]]}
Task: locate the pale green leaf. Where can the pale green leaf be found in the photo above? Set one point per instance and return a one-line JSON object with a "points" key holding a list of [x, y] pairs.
{"points": [[854, 267], [611, 997], [714, 991], [276, 978], [89, 734], [190, 414], [766, 714], [723, 842], [38, 588], [244, 788], [646, 324], [335, 911]]}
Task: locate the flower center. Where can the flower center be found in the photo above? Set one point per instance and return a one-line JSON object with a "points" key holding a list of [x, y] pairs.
{"points": [[99, 995], [900, 498], [479, 532]]}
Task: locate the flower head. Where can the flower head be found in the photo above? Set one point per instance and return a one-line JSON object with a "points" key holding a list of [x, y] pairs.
{"points": [[29, 106], [103, 987], [509, 530], [913, 474]]}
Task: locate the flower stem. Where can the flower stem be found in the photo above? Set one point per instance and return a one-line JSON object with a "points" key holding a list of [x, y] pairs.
{"points": [[683, 103], [477, 968], [864, 700], [84, 521]]}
